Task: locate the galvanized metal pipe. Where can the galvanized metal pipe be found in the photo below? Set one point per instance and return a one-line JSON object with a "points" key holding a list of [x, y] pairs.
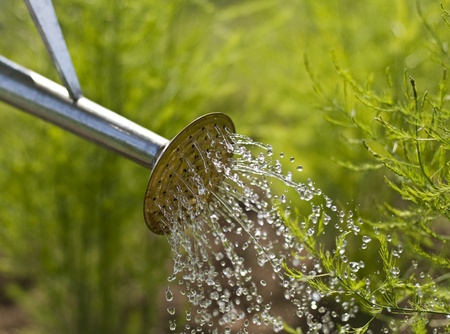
{"points": [[50, 101]]}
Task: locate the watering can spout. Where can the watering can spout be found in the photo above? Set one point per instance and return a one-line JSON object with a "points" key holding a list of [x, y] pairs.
{"points": [[50, 101], [66, 106]]}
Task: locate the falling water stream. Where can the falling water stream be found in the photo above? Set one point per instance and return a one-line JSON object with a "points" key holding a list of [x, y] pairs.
{"points": [[231, 251]]}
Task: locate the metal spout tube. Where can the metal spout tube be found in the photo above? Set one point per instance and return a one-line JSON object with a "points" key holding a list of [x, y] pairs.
{"points": [[50, 101]]}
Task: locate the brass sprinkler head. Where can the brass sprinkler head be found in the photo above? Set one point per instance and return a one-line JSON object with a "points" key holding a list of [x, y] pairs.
{"points": [[185, 172]]}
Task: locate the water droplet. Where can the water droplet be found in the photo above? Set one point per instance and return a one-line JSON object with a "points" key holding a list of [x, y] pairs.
{"points": [[354, 266], [172, 325], [288, 177], [292, 159], [256, 319], [169, 295], [366, 239], [299, 168], [345, 317], [395, 271]]}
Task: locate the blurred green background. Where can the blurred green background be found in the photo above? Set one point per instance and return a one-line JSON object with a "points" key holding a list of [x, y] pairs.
{"points": [[75, 254]]}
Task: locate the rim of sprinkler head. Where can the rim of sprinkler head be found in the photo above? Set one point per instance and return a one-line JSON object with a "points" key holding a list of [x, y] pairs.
{"points": [[185, 172]]}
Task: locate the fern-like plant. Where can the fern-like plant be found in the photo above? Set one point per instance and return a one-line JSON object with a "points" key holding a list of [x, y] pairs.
{"points": [[395, 268]]}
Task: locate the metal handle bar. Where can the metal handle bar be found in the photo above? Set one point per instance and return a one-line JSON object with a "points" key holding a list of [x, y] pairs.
{"points": [[44, 17]]}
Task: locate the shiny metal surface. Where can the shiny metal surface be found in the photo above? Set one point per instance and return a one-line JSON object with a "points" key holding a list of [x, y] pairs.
{"points": [[46, 99], [185, 175], [45, 19], [191, 153]]}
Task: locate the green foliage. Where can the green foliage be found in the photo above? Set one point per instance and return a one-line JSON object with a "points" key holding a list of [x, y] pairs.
{"points": [[408, 139], [70, 213]]}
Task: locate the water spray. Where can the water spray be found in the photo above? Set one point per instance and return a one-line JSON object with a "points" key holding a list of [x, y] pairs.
{"points": [[66, 107]]}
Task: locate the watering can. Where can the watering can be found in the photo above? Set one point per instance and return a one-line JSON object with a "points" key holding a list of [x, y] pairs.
{"points": [[66, 107]]}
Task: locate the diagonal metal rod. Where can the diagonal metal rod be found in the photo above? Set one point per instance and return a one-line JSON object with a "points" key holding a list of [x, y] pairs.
{"points": [[45, 19], [46, 99]]}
